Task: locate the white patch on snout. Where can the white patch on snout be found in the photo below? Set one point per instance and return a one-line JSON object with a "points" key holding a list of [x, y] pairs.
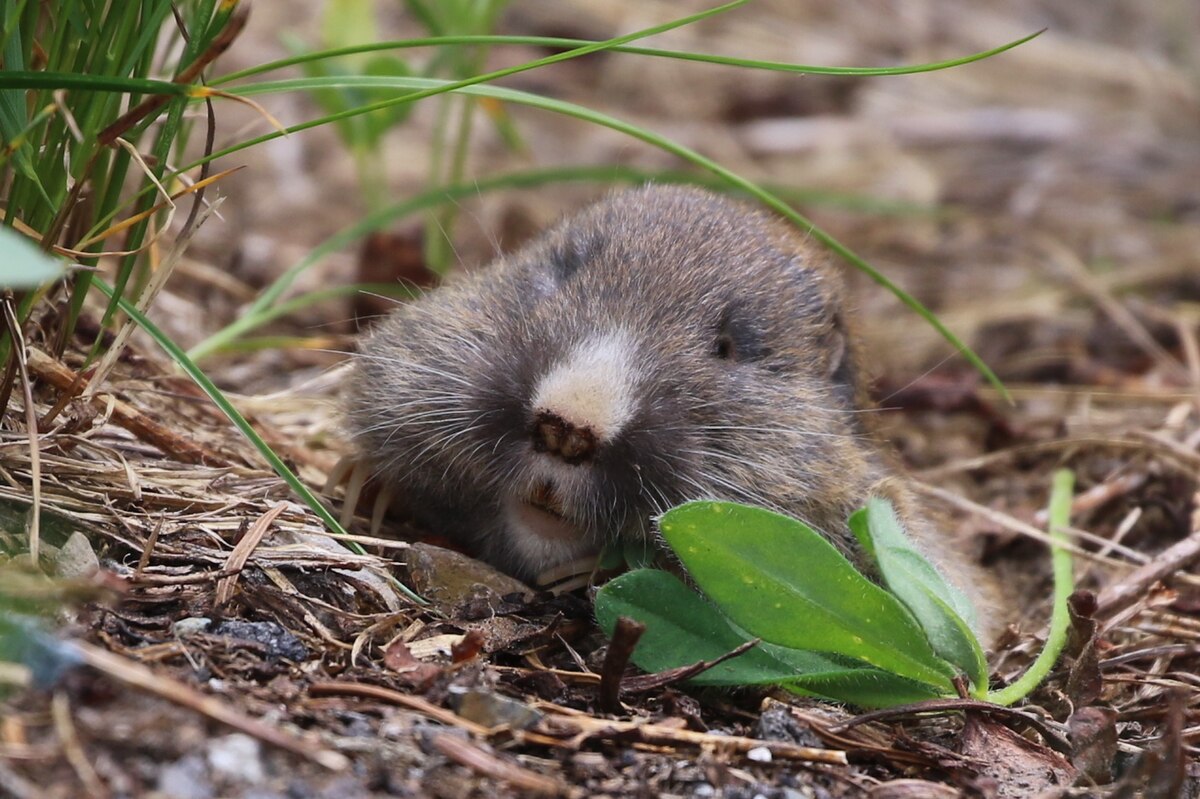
{"points": [[593, 386], [541, 541]]}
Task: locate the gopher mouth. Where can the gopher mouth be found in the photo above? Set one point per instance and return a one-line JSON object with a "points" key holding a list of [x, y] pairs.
{"points": [[541, 513], [546, 499]]}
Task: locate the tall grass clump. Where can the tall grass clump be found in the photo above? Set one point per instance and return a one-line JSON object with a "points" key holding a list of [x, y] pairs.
{"points": [[92, 117]]}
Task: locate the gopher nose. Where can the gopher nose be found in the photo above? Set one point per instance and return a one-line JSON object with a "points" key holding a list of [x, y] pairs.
{"points": [[556, 436]]}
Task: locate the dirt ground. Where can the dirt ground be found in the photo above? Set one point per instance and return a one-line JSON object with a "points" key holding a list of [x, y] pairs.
{"points": [[1045, 204]]}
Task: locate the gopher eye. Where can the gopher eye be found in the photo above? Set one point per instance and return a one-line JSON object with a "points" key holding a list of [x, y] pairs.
{"points": [[723, 347], [738, 338]]}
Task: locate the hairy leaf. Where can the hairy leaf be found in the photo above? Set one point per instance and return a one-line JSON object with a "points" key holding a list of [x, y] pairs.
{"points": [[23, 265], [781, 581], [683, 628], [941, 609]]}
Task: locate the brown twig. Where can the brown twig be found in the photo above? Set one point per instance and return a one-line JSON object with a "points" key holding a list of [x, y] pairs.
{"points": [[21, 353], [650, 682], [242, 551], [625, 636], [139, 676], [1117, 595], [128, 222], [130, 418], [414, 703], [148, 550], [1100, 494], [21, 788], [13, 751], [587, 727], [468, 754], [1009, 522], [219, 44], [163, 580], [60, 711], [1054, 739], [1151, 653], [1066, 259]]}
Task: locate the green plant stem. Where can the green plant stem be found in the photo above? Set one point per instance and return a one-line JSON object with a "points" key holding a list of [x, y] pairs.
{"points": [[1064, 585], [221, 401]]}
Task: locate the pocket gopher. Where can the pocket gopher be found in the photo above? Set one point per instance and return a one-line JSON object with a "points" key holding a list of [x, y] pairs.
{"points": [[664, 344]]}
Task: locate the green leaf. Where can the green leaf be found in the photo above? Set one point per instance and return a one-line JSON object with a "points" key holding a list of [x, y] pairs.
{"points": [[941, 609], [785, 583], [683, 628], [383, 120], [24, 640], [23, 265]]}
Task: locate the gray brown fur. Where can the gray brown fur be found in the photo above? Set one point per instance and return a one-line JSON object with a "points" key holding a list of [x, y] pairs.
{"points": [[440, 400]]}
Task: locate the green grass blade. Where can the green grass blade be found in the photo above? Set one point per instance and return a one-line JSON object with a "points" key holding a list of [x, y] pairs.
{"points": [[239, 421], [434, 88], [259, 313], [550, 41], [14, 117], [24, 79]]}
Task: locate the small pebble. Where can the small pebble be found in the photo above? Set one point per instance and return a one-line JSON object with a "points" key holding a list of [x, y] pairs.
{"points": [[279, 642], [76, 559], [193, 625], [237, 757], [186, 778], [759, 754]]}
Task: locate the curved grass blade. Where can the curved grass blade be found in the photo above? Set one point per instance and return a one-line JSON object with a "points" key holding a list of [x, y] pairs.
{"points": [[257, 314], [264, 307], [208, 387], [781, 581], [14, 116], [433, 87], [552, 41]]}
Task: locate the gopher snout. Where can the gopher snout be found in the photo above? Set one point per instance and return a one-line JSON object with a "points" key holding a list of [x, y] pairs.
{"points": [[555, 436], [586, 398]]}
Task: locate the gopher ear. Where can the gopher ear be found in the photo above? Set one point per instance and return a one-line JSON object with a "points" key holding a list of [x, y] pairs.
{"points": [[841, 368], [838, 353]]}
